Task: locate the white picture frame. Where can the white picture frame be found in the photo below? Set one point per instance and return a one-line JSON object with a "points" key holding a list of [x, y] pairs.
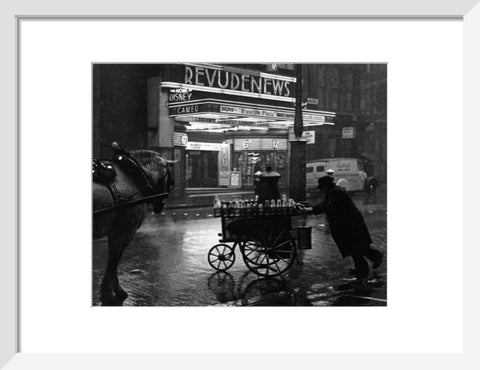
{"points": [[13, 11]]}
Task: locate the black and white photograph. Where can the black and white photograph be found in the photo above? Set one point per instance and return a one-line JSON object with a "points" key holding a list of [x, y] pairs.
{"points": [[239, 184]]}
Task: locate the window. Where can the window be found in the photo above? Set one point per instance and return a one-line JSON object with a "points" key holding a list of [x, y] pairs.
{"points": [[346, 90], [320, 168], [309, 169]]}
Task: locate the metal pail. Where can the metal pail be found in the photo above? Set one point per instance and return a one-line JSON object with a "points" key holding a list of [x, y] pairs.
{"points": [[304, 237]]}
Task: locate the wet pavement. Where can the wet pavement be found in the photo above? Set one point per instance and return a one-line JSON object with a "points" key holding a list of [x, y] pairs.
{"points": [[166, 265]]}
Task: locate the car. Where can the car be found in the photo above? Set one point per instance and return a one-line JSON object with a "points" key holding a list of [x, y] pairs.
{"points": [[348, 173]]}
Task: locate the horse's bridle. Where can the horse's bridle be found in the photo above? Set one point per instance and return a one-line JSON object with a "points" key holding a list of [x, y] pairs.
{"points": [[144, 181], [141, 178]]}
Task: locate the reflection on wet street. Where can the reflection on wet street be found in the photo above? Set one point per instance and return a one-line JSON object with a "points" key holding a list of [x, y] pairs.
{"points": [[166, 265], [253, 291]]}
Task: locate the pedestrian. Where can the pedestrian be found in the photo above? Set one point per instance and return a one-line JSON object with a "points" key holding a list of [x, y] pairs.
{"points": [[268, 185], [257, 172], [347, 227], [269, 172], [256, 183], [258, 166]]}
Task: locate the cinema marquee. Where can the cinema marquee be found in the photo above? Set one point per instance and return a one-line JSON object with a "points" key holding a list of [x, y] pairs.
{"points": [[223, 122]]}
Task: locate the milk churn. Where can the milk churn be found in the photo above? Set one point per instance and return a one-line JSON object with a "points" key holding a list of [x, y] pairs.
{"points": [[304, 237]]}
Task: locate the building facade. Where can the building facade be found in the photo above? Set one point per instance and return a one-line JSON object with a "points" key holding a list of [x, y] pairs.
{"points": [[358, 95], [223, 123]]}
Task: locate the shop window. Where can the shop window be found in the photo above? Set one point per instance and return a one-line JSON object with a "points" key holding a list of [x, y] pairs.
{"points": [[249, 162], [332, 146], [321, 96], [349, 80], [321, 75], [333, 76], [346, 103]]}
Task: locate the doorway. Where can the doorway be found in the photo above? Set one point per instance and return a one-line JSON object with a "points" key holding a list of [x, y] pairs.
{"points": [[202, 169]]}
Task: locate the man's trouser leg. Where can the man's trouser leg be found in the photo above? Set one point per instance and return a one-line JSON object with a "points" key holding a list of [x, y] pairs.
{"points": [[361, 266], [373, 255]]}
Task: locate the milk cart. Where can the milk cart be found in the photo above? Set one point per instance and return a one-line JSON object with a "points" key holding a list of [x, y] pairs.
{"points": [[264, 234]]}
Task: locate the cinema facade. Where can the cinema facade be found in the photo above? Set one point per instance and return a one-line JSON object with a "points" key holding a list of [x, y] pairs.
{"points": [[224, 123]]}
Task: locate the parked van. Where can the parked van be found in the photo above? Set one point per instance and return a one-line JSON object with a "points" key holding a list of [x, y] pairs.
{"points": [[348, 173]]}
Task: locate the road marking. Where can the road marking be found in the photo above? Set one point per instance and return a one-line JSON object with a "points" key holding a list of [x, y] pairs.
{"points": [[368, 298]]}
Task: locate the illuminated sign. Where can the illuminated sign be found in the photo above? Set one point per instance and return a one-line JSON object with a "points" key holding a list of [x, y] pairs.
{"points": [[313, 118], [232, 79], [180, 139], [197, 145], [263, 113], [196, 107], [260, 144], [247, 111], [179, 95], [186, 109]]}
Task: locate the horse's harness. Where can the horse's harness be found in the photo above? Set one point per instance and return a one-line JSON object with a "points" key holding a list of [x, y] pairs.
{"points": [[104, 173]]}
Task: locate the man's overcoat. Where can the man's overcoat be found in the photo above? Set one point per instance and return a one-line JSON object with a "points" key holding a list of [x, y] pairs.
{"points": [[347, 225]]}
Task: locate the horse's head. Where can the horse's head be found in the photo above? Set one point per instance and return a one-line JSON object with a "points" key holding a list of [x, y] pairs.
{"points": [[164, 185], [160, 171]]}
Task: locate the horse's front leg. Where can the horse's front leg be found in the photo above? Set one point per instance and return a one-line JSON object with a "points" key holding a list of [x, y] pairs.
{"points": [[111, 292], [107, 295], [110, 279], [119, 292]]}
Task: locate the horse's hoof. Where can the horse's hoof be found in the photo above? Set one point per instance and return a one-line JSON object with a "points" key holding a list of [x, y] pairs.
{"points": [[112, 302], [121, 295]]}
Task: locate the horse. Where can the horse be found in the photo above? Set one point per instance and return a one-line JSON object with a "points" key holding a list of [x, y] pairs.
{"points": [[120, 223]]}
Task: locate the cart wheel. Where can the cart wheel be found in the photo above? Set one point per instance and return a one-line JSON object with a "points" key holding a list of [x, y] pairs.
{"points": [[221, 257], [270, 255]]}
